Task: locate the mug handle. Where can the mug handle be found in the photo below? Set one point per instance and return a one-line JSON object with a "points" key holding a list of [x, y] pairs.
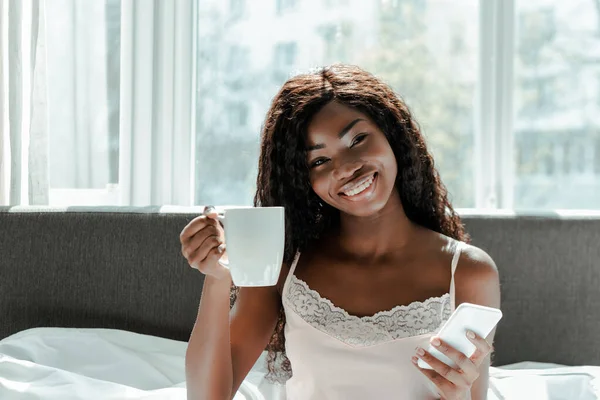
{"points": [[221, 217]]}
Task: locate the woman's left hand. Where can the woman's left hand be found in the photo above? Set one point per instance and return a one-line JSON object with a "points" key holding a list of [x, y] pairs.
{"points": [[454, 383]]}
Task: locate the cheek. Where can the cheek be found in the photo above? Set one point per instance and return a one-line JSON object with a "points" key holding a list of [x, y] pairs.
{"points": [[319, 184], [390, 164], [392, 174]]}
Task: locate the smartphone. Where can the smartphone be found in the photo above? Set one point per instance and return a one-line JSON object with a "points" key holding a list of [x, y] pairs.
{"points": [[467, 316]]}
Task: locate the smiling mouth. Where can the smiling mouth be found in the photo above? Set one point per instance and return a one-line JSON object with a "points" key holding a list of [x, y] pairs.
{"points": [[360, 186]]}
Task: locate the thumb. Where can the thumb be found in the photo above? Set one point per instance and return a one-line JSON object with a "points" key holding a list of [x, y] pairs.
{"points": [[210, 212]]}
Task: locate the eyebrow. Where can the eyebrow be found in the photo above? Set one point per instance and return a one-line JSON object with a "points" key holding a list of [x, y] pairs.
{"points": [[342, 133]]}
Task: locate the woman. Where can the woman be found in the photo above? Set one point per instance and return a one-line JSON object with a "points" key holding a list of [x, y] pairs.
{"points": [[375, 258]]}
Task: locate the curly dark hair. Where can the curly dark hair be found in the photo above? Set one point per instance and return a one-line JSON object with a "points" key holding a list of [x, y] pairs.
{"points": [[283, 172]]}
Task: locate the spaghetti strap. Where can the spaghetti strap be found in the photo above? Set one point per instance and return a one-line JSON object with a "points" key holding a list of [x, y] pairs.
{"points": [[457, 250], [291, 272]]}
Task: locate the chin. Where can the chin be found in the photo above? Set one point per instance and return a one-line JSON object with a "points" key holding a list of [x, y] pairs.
{"points": [[364, 211]]}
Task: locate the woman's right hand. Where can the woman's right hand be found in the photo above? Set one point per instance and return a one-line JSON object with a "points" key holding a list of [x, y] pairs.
{"points": [[203, 244]]}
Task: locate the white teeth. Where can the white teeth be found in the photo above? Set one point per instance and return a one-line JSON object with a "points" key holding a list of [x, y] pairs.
{"points": [[361, 187]]}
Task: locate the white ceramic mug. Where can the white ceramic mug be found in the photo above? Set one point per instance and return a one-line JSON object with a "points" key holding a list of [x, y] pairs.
{"points": [[255, 241]]}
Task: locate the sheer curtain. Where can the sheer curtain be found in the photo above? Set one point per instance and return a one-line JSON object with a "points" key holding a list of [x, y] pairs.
{"points": [[21, 178], [96, 101], [157, 64]]}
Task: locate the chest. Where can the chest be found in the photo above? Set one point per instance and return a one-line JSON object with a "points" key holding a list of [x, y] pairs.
{"points": [[366, 290], [309, 315]]}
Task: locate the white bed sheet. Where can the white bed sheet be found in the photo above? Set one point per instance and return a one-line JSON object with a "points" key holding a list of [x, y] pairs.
{"points": [[73, 364]]}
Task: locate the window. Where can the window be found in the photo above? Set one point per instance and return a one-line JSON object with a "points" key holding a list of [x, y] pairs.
{"points": [[284, 60], [427, 50], [285, 55], [335, 3], [597, 156], [336, 38], [236, 9], [236, 68], [146, 104], [556, 63], [238, 115], [282, 6]]}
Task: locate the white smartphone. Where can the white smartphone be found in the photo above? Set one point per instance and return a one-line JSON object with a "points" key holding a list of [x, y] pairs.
{"points": [[467, 316]]}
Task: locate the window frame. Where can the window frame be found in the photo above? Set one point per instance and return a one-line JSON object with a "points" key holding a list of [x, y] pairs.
{"points": [[494, 138]]}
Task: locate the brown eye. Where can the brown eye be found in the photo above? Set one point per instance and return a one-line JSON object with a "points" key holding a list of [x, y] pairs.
{"points": [[318, 161], [358, 139]]}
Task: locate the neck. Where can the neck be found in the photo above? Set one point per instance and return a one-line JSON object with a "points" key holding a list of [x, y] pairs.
{"points": [[377, 235]]}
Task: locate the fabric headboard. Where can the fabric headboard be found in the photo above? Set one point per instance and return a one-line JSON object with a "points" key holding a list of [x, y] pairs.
{"points": [[115, 268], [121, 268]]}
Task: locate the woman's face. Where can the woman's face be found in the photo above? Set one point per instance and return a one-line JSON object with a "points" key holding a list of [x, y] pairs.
{"points": [[352, 166]]}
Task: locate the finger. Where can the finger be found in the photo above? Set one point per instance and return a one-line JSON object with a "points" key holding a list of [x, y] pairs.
{"points": [[443, 385], [211, 212], [193, 227], [449, 373], [214, 215], [482, 348], [216, 218], [212, 263], [208, 227], [200, 255], [196, 241], [209, 209], [464, 365], [215, 254]]}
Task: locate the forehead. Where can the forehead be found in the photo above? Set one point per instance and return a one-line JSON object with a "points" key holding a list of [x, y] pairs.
{"points": [[331, 119]]}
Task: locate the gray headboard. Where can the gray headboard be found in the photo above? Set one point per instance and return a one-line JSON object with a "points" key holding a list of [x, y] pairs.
{"points": [[121, 268]]}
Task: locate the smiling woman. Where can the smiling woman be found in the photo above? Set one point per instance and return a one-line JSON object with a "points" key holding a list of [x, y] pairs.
{"points": [[372, 245]]}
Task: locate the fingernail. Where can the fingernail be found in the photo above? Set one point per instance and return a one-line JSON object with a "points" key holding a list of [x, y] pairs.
{"points": [[470, 335], [420, 351], [414, 360], [221, 248], [436, 342], [208, 210]]}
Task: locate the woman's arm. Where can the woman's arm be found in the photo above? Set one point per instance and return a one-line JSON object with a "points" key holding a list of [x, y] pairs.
{"points": [[477, 281], [225, 345]]}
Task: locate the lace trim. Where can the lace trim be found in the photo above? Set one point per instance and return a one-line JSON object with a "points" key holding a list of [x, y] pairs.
{"points": [[400, 322]]}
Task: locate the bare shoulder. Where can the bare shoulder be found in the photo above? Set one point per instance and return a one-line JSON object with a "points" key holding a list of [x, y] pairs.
{"points": [[477, 279], [477, 260]]}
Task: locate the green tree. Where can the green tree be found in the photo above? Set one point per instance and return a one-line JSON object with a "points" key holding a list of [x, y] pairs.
{"points": [[554, 57], [441, 103]]}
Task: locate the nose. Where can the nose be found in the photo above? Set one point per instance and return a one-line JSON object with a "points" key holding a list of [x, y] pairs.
{"points": [[346, 170]]}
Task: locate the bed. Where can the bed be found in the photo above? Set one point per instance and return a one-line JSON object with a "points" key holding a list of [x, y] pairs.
{"points": [[108, 364]]}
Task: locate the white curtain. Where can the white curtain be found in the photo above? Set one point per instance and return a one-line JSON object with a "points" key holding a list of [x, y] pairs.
{"points": [[4, 154], [21, 179], [156, 143], [56, 117]]}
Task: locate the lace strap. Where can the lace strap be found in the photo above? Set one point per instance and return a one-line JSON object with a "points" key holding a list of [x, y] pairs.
{"points": [[457, 250]]}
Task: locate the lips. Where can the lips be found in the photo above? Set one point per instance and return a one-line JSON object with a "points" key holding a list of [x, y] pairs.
{"points": [[357, 185]]}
